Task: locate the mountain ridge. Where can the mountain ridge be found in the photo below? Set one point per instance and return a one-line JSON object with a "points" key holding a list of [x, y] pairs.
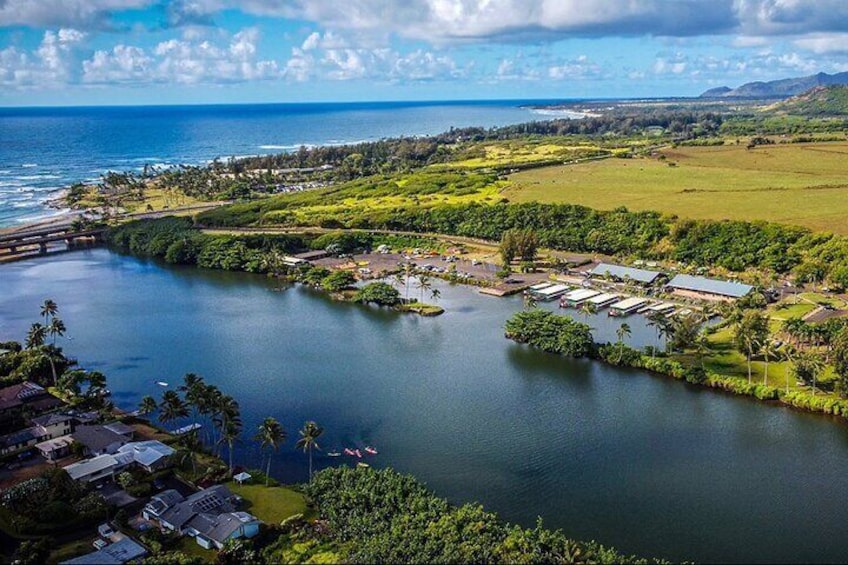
{"points": [[781, 88]]}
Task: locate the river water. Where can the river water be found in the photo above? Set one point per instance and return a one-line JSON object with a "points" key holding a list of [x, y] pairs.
{"points": [[646, 464]]}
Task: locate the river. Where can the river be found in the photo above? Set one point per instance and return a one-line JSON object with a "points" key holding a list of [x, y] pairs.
{"points": [[649, 465]]}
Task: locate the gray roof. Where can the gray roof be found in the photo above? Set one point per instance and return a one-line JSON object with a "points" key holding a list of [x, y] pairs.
{"points": [[620, 272], [120, 428], [50, 419], [162, 501], [711, 286], [214, 500], [147, 452], [97, 438], [113, 554], [226, 524]]}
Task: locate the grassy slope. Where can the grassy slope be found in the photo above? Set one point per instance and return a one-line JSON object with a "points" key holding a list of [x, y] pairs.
{"points": [[272, 505], [792, 184]]}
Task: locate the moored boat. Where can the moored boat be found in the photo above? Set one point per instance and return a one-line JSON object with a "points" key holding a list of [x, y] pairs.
{"points": [[370, 450]]}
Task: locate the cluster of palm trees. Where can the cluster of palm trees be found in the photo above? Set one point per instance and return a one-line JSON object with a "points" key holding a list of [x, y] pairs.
{"points": [[219, 414], [53, 327], [422, 282]]}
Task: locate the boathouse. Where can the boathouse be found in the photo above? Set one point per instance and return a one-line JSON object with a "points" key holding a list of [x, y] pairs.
{"points": [[703, 288]]}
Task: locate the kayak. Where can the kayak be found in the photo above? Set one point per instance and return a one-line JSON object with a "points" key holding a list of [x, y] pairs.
{"points": [[349, 451], [357, 453], [363, 465], [370, 450], [333, 454], [161, 383]]}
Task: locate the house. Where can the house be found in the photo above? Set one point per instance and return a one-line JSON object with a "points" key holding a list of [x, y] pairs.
{"points": [[14, 398], [100, 468], [55, 449], [620, 273], [122, 551], [121, 428], [98, 439], [43, 428], [209, 516], [54, 425], [703, 288], [150, 455]]}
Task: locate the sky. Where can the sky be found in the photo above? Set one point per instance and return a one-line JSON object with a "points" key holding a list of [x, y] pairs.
{"points": [[97, 52]]}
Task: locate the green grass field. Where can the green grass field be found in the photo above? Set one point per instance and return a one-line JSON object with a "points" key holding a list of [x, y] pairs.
{"points": [[800, 184], [272, 505]]}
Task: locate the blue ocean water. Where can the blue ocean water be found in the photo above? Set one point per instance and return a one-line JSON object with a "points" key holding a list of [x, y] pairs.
{"points": [[43, 150]]}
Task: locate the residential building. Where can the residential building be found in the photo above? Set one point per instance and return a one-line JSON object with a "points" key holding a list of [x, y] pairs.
{"points": [[100, 468], [98, 439], [43, 428], [209, 516], [150, 455], [33, 397], [54, 449]]}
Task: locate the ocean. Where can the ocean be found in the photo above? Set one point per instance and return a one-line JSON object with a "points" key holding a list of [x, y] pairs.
{"points": [[43, 150]]}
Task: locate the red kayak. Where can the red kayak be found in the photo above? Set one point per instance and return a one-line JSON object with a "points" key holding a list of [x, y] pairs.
{"points": [[370, 450], [349, 452], [357, 453]]}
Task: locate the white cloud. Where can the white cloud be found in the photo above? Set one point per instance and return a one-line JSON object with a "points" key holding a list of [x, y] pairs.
{"points": [[53, 62], [822, 43], [185, 61]]}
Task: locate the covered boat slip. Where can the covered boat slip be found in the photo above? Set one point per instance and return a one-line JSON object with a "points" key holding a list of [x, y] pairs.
{"points": [[575, 297], [661, 308], [549, 293], [604, 300], [627, 306]]}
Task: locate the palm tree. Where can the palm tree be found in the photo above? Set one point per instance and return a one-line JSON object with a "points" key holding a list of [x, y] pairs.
{"points": [[657, 321], [36, 335], [227, 418], [147, 406], [308, 440], [769, 351], [49, 309], [56, 328], [702, 346], [435, 294], [270, 435], [230, 432], [192, 389], [172, 407], [622, 332], [423, 285], [587, 309]]}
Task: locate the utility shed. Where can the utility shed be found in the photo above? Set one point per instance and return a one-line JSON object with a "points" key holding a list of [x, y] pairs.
{"points": [[621, 273], [708, 289]]}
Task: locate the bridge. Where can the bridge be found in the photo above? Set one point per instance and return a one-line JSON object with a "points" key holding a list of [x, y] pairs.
{"points": [[28, 241]]}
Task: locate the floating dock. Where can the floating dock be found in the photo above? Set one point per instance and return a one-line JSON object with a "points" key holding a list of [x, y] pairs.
{"points": [[627, 306], [664, 308], [550, 292], [604, 300], [575, 297]]}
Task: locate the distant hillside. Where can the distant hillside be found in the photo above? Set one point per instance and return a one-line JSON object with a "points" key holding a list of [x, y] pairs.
{"points": [[819, 101], [778, 88]]}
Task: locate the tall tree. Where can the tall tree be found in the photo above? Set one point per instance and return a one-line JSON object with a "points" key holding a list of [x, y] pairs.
{"points": [[270, 435], [171, 407], [621, 333], [49, 309], [423, 285], [750, 334], [308, 440], [36, 335], [147, 406], [840, 361], [56, 328], [808, 366]]}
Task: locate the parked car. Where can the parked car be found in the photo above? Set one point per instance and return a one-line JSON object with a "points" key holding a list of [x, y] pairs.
{"points": [[100, 544], [105, 530]]}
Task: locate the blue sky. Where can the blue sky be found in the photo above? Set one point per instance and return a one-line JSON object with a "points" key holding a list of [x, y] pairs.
{"points": [[63, 52]]}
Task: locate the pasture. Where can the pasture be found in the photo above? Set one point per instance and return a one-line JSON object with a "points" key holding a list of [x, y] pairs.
{"points": [[799, 184]]}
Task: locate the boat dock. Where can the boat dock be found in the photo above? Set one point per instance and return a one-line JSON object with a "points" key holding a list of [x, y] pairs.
{"points": [[664, 308], [627, 306], [549, 293], [575, 297], [604, 300]]}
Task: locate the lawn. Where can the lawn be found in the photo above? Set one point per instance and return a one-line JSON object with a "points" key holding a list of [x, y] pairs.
{"points": [[272, 505], [190, 547], [801, 184]]}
